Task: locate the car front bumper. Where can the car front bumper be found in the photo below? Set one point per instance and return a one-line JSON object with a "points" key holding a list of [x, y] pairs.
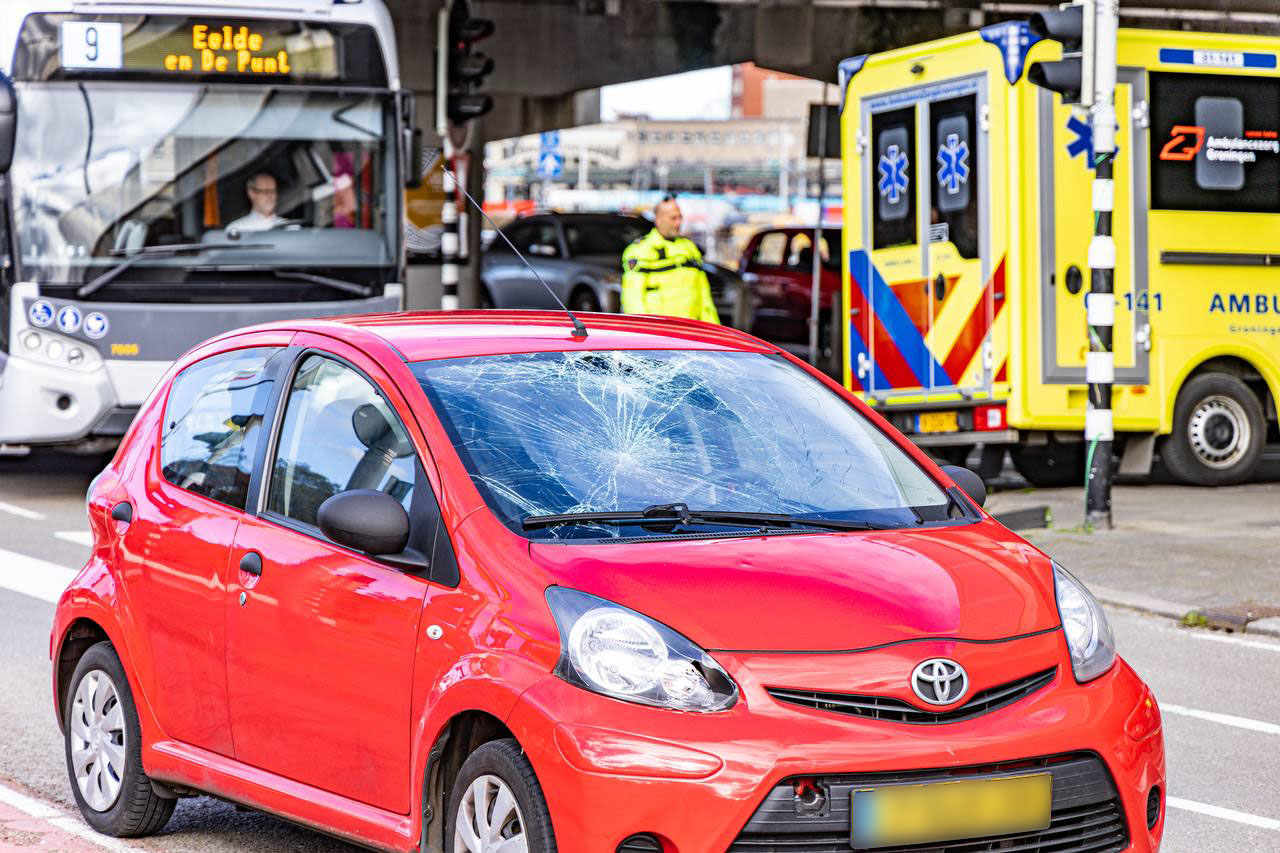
{"points": [[611, 769]]}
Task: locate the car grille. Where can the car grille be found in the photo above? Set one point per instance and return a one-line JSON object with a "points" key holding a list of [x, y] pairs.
{"points": [[898, 711], [1087, 815]]}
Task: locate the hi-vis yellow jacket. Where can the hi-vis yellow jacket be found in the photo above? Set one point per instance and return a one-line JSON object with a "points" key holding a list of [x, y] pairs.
{"points": [[661, 276]]}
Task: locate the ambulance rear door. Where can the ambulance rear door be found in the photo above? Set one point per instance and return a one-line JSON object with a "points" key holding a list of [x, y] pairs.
{"points": [[923, 280]]}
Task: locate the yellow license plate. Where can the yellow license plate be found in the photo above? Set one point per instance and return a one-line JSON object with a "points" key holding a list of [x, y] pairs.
{"points": [[938, 422], [951, 811]]}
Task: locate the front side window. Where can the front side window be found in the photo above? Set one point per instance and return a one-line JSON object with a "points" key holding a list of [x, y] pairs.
{"points": [[619, 431], [338, 434], [603, 236], [1215, 142], [213, 423]]}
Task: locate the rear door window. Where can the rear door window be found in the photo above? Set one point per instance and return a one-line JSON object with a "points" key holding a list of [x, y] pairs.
{"points": [[213, 423], [893, 175]]}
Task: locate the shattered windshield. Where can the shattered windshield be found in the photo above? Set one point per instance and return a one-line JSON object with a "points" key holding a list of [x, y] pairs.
{"points": [[613, 431]]}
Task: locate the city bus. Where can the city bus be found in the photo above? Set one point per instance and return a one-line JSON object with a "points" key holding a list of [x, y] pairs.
{"points": [[175, 170], [967, 227]]}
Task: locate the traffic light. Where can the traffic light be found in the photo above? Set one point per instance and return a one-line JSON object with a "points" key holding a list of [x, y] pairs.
{"points": [[467, 67], [1072, 76]]}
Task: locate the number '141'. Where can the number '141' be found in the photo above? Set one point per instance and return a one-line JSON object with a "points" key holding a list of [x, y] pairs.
{"points": [[1143, 304]]}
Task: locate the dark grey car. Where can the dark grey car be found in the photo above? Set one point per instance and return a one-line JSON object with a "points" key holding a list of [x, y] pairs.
{"points": [[579, 255]]}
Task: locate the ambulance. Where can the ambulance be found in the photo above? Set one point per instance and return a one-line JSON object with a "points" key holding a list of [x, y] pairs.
{"points": [[967, 224]]}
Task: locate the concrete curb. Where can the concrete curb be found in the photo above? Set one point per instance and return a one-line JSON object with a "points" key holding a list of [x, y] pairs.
{"points": [[1172, 609]]}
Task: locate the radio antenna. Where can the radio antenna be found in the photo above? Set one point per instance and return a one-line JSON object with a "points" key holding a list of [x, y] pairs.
{"points": [[579, 330]]}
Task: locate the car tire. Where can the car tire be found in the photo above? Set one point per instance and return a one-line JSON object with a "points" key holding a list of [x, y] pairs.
{"points": [[584, 299], [1050, 466], [498, 767], [1219, 430], [115, 799]]}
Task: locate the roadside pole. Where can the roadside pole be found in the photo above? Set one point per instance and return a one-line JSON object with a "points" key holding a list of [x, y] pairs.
{"points": [[1100, 309], [449, 212], [815, 290]]}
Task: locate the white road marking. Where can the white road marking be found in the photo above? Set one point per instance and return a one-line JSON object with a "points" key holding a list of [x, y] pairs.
{"points": [[21, 512], [32, 576], [43, 811], [1224, 814], [1224, 719], [78, 537]]}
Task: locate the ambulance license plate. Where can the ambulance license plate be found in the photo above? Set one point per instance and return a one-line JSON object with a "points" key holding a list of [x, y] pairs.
{"points": [[938, 422], [891, 815]]}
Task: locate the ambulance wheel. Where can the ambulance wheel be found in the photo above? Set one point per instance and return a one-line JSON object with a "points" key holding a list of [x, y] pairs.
{"points": [[1218, 432], [1050, 466]]}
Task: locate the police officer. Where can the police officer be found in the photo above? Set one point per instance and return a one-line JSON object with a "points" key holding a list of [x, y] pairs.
{"points": [[662, 271]]}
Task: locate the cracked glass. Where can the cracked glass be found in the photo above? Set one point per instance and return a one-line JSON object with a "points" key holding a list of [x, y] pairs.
{"points": [[618, 431]]}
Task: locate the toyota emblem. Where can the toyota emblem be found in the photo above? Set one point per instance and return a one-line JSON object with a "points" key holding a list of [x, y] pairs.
{"points": [[939, 681]]}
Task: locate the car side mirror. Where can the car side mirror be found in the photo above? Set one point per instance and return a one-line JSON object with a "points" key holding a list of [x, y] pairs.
{"points": [[969, 482], [365, 520], [8, 122]]}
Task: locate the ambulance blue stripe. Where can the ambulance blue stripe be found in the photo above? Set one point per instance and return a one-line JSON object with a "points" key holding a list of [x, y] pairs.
{"points": [[1187, 56], [889, 311], [858, 345]]}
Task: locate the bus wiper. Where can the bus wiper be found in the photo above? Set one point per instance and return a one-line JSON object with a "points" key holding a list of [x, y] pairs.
{"points": [[335, 283], [135, 255], [681, 514]]}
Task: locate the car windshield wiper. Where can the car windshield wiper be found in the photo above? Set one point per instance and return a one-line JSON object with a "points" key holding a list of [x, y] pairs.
{"points": [[680, 513], [336, 283], [135, 255]]}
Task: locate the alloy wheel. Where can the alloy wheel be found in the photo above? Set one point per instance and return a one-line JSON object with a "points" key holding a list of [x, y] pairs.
{"points": [[98, 740], [489, 820]]}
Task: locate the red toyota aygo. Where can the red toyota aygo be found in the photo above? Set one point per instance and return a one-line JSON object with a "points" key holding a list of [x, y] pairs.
{"points": [[482, 582]]}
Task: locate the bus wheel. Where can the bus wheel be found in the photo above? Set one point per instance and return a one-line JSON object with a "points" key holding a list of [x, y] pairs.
{"points": [[1218, 432], [1050, 466]]}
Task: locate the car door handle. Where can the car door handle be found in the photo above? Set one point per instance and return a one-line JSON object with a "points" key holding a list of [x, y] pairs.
{"points": [[251, 563], [122, 511]]}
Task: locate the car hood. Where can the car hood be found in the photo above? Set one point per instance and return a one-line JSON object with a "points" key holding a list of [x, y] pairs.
{"points": [[822, 592]]}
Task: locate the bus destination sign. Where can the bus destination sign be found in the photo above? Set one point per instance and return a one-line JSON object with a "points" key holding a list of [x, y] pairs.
{"points": [[62, 46]]}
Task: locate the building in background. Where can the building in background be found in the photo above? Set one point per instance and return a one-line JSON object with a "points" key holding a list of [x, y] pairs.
{"points": [[734, 176]]}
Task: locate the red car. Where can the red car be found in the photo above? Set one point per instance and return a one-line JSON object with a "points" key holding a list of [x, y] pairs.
{"points": [[472, 581], [777, 266]]}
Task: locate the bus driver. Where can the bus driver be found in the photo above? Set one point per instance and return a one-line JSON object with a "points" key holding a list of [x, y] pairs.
{"points": [[262, 193]]}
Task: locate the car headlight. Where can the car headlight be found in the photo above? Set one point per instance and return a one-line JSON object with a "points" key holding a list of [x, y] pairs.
{"points": [[1089, 637], [609, 649]]}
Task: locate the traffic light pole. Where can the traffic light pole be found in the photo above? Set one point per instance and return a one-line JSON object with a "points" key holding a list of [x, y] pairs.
{"points": [[1100, 306]]}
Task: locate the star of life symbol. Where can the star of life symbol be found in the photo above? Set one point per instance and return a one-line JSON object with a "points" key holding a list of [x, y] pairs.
{"points": [[893, 174], [953, 163]]}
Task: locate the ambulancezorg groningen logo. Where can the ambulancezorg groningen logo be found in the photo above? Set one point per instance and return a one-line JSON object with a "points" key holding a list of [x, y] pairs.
{"points": [[940, 681]]}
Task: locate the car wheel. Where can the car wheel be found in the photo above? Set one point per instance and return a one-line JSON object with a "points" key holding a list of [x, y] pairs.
{"points": [[584, 299], [104, 750], [1050, 466], [496, 803], [1219, 430]]}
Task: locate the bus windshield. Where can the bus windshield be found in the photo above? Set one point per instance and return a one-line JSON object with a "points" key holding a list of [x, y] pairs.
{"points": [[103, 170]]}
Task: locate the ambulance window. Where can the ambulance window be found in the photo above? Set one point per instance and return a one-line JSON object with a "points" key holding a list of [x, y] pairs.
{"points": [[1215, 142], [893, 177], [954, 215]]}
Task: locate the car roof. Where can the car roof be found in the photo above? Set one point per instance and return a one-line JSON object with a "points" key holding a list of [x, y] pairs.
{"points": [[428, 335]]}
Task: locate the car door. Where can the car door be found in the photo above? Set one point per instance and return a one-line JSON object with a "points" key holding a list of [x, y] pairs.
{"points": [[186, 503], [321, 640]]}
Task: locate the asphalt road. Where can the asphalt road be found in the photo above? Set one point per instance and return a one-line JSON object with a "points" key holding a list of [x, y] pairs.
{"points": [[1220, 697]]}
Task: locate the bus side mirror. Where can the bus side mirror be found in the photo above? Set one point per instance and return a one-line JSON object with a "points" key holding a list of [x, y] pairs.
{"points": [[8, 122], [410, 139], [413, 168]]}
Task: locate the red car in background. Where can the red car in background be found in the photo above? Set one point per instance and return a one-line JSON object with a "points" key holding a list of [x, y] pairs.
{"points": [[474, 581], [777, 267]]}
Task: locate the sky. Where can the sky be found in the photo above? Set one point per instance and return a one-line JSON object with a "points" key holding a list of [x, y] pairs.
{"points": [[694, 94]]}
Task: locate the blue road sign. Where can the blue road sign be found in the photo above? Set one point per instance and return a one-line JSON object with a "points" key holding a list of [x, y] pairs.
{"points": [[550, 140], [550, 165]]}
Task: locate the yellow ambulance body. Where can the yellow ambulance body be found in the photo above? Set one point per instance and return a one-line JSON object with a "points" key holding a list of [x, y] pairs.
{"points": [[967, 223]]}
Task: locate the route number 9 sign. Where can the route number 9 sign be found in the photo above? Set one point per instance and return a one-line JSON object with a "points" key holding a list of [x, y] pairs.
{"points": [[92, 44]]}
